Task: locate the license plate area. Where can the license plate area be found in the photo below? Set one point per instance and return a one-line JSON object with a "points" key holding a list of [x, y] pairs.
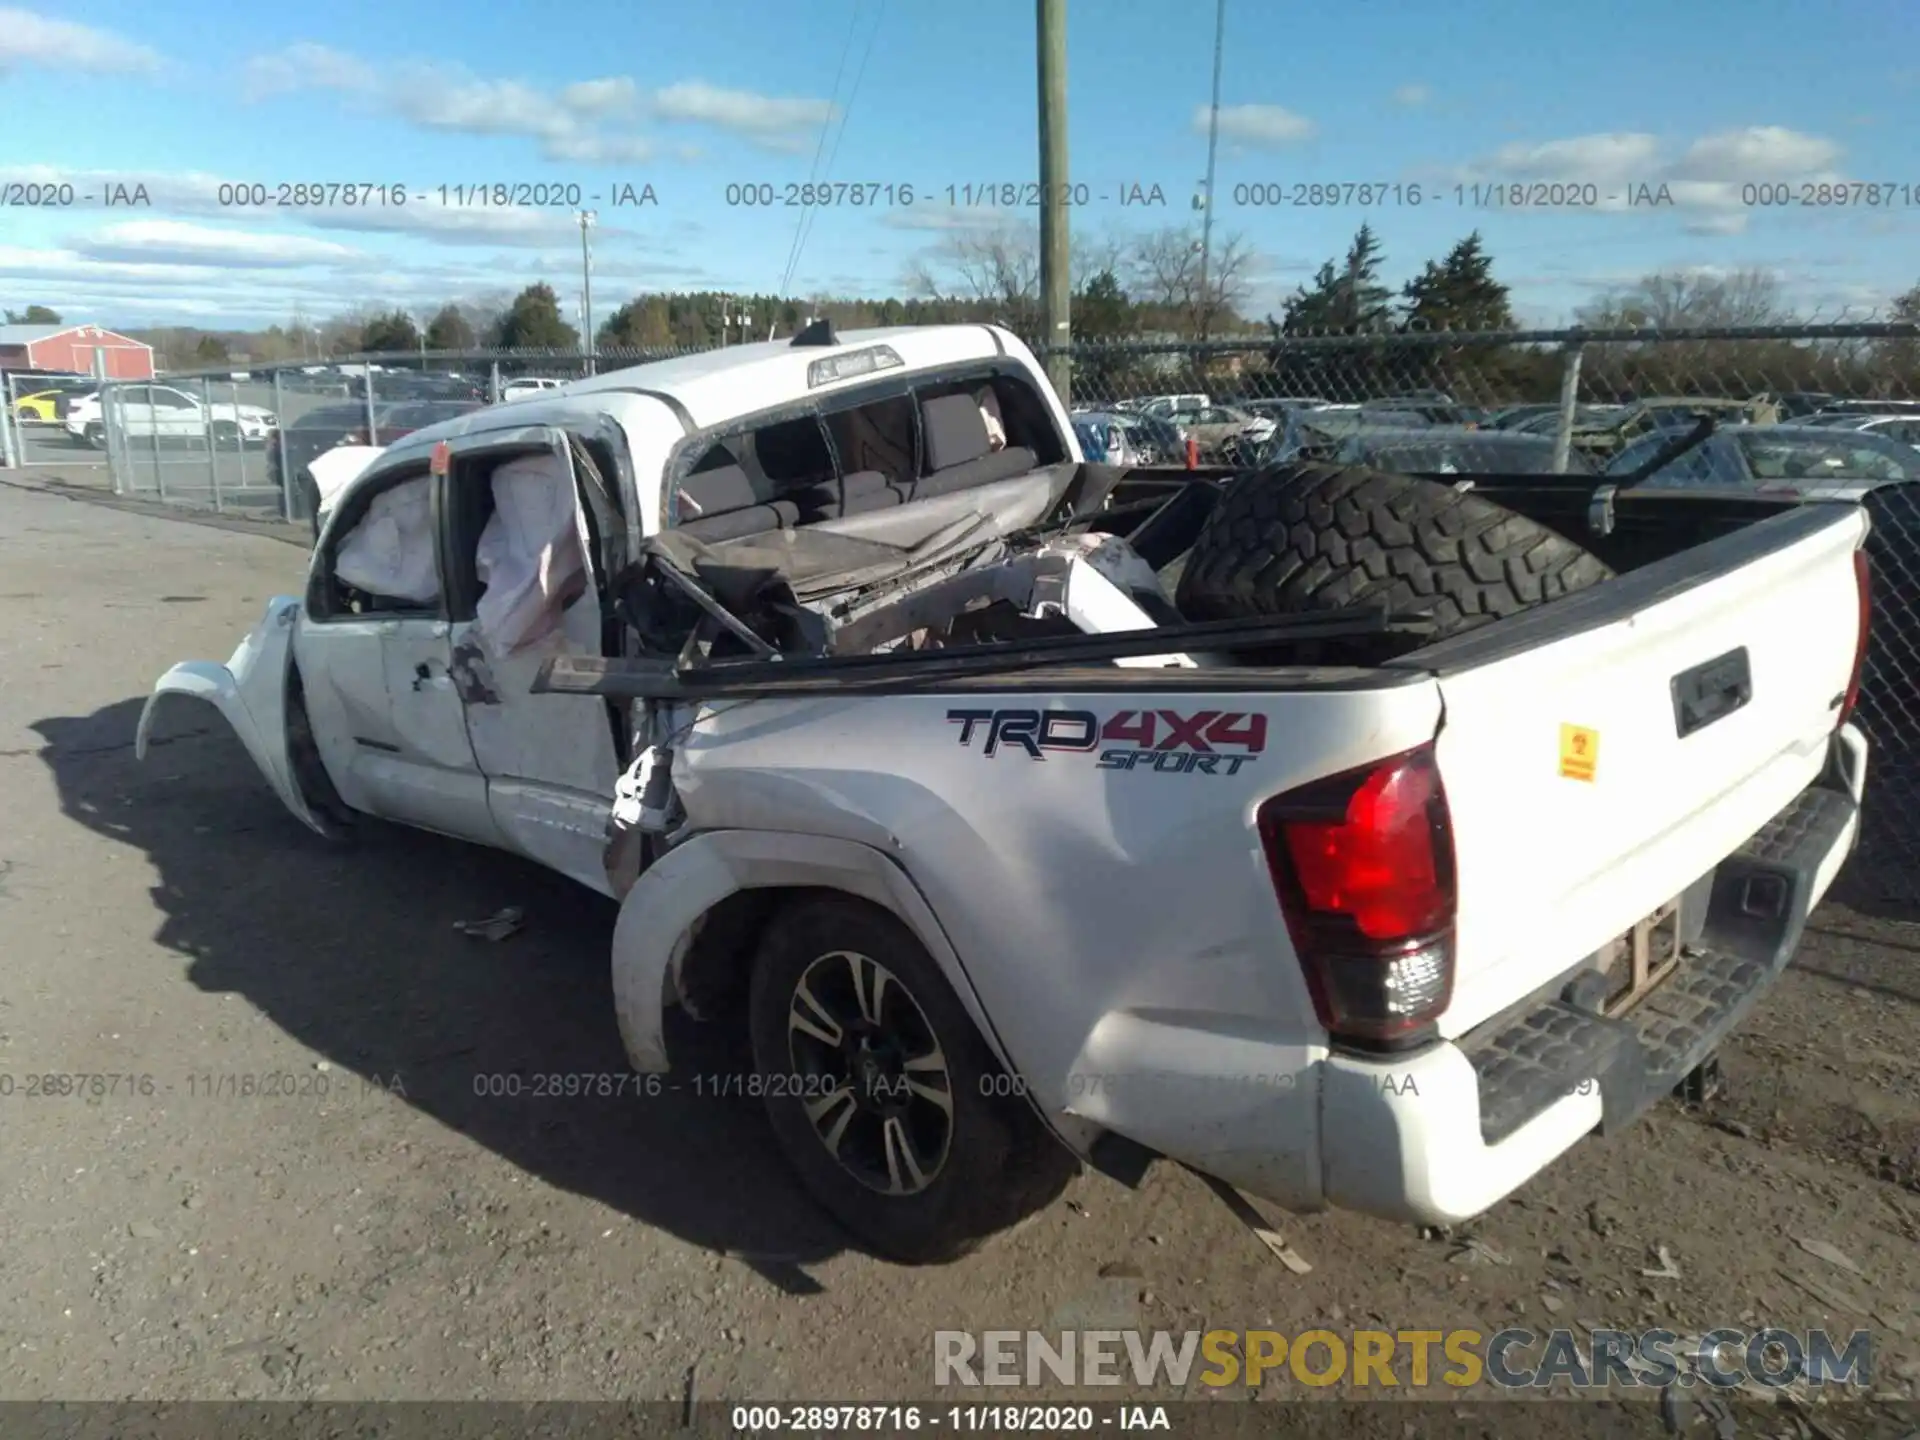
{"points": [[1635, 964]]}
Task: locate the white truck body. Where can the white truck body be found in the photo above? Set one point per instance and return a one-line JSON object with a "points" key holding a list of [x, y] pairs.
{"points": [[1106, 855]]}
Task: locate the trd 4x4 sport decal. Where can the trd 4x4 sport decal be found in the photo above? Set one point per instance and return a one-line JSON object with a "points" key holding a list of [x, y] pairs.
{"points": [[1206, 742]]}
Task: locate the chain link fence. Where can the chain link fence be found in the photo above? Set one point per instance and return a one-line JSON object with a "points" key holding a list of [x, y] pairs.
{"points": [[1582, 402]]}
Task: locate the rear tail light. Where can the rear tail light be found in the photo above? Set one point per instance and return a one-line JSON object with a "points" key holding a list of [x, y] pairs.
{"points": [[1863, 580], [1363, 865]]}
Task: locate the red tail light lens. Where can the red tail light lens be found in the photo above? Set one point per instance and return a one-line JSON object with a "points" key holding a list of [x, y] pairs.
{"points": [[1363, 866], [1863, 578]]}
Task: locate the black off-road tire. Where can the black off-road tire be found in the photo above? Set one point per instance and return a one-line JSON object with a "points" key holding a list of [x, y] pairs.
{"points": [[1311, 537], [1001, 1162]]}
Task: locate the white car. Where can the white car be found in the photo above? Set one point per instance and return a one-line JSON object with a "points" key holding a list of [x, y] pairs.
{"points": [[161, 412], [838, 668], [528, 386]]}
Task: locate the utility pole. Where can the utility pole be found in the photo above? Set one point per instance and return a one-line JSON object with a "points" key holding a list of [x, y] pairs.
{"points": [[1056, 280], [587, 217], [1213, 149]]}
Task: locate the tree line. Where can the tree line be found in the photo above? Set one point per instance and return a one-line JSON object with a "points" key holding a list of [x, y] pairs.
{"points": [[1165, 288]]}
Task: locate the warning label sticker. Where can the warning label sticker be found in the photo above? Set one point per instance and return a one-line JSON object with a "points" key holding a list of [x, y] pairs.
{"points": [[1579, 752]]}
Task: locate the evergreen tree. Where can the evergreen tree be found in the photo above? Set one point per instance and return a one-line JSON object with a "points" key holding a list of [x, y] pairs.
{"points": [[533, 322], [1459, 293], [389, 334], [449, 330], [1344, 299]]}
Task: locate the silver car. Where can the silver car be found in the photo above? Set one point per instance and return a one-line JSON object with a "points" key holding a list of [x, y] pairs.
{"points": [[1783, 457]]}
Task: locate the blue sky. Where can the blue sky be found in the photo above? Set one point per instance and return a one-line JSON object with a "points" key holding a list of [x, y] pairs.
{"points": [[1707, 97]]}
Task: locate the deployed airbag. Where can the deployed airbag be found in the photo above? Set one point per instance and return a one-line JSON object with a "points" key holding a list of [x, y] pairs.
{"points": [[529, 557], [390, 552]]}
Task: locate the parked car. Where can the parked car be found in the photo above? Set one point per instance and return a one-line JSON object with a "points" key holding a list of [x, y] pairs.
{"points": [[1317, 434], [40, 408], [1871, 407], [1103, 437], [45, 396], [1546, 419], [1761, 456], [160, 413], [581, 629], [1211, 427], [1153, 439], [1454, 450], [1903, 428], [1166, 405], [332, 427], [527, 386]]}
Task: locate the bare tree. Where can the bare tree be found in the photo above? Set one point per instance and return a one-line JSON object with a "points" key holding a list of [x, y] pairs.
{"points": [[999, 264], [1677, 299], [1164, 272]]}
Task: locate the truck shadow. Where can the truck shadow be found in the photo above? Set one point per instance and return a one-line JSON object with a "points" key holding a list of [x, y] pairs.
{"points": [[353, 951]]}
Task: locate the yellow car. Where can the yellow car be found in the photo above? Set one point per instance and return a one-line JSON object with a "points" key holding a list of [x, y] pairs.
{"points": [[42, 407]]}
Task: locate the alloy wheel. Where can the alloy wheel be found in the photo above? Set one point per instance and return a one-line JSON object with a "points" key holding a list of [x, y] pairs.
{"points": [[870, 1074]]}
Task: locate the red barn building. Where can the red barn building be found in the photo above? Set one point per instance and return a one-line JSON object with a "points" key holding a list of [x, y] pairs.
{"points": [[68, 349]]}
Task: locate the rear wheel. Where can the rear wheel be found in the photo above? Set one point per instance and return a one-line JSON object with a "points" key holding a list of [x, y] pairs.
{"points": [[1307, 537], [881, 1092], [95, 435], [225, 432]]}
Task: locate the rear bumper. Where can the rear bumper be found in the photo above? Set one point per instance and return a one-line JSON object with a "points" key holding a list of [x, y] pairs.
{"points": [[1439, 1137]]}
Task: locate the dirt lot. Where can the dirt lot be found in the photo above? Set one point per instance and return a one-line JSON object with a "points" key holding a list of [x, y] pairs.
{"points": [[402, 1237]]}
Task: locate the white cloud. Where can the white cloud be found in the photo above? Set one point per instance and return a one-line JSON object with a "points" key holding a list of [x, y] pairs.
{"points": [[179, 242], [305, 66], [1706, 176], [615, 95], [30, 39], [199, 194], [781, 121], [578, 122], [568, 123], [1760, 152], [1412, 97], [1731, 223], [1262, 126], [1609, 159]]}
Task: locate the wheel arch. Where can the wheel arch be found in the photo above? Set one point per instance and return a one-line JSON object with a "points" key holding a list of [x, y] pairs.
{"points": [[689, 925]]}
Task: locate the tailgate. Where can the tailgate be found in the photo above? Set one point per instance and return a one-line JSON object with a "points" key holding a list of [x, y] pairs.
{"points": [[1603, 752]]}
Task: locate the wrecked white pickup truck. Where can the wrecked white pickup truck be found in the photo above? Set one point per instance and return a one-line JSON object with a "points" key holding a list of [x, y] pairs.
{"points": [[1356, 839]]}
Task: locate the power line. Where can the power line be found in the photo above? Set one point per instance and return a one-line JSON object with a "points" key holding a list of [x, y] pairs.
{"points": [[853, 94], [820, 145]]}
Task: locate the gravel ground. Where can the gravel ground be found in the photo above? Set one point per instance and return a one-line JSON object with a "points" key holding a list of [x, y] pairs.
{"points": [[386, 1233]]}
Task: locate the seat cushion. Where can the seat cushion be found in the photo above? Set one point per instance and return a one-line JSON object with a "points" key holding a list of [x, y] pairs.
{"points": [[754, 520], [954, 431], [1000, 465], [711, 492]]}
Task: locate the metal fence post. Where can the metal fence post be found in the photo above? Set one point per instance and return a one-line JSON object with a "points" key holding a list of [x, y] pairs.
{"points": [[279, 441], [13, 440], [373, 434], [153, 443], [1569, 404], [110, 421], [493, 383]]}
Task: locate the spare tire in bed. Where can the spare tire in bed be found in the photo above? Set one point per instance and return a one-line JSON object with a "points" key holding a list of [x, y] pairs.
{"points": [[1308, 537]]}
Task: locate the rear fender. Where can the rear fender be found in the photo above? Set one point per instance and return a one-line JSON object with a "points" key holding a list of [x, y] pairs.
{"points": [[250, 690]]}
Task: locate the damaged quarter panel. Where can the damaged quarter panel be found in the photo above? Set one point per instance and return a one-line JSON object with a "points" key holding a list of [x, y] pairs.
{"points": [[1094, 863], [250, 690]]}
